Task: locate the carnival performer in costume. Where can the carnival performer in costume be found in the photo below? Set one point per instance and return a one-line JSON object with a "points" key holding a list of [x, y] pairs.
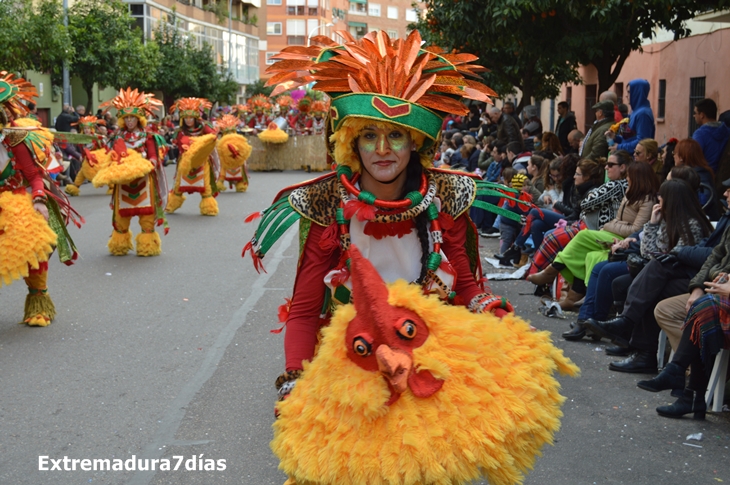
{"points": [[134, 167], [198, 177], [31, 224], [301, 123], [319, 113], [378, 383], [260, 106], [233, 151], [94, 153]]}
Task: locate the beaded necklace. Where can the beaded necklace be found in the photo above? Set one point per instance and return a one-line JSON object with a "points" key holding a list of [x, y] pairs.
{"points": [[412, 205]]}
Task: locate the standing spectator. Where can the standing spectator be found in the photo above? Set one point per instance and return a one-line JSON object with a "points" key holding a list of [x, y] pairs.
{"points": [[641, 120], [533, 123], [509, 109], [575, 140], [712, 135], [611, 96], [507, 128], [595, 145], [473, 122], [80, 111], [64, 120], [565, 125]]}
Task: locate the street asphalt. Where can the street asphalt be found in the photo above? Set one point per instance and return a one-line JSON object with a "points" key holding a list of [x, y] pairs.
{"points": [[173, 356]]}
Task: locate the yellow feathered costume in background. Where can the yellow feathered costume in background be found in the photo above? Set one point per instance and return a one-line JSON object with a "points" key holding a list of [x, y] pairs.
{"points": [[233, 150], [95, 161], [194, 174], [407, 390]]}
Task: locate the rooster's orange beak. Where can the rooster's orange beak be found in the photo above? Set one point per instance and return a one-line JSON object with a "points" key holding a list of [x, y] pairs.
{"points": [[395, 365]]}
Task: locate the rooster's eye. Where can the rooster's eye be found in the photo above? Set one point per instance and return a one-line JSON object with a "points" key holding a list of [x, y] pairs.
{"points": [[407, 330], [362, 347]]}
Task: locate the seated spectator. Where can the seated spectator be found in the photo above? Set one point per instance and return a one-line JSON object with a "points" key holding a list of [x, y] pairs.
{"points": [[575, 140], [647, 151], [528, 140], [550, 143], [589, 247], [533, 123], [551, 182], [711, 135], [599, 206], [536, 169], [678, 222], [517, 157], [706, 332], [688, 152]]}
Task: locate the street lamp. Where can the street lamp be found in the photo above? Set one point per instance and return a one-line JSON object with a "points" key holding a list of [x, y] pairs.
{"points": [[329, 24]]}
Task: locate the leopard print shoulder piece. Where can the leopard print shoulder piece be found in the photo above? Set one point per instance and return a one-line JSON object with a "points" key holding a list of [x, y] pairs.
{"points": [[317, 202], [15, 137], [456, 191]]}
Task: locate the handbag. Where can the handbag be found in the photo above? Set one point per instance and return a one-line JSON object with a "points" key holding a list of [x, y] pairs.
{"points": [[635, 263]]}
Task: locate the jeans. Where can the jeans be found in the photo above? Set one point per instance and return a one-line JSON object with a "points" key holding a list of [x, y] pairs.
{"points": [[540, 225], [597, 301], [483, 219]]}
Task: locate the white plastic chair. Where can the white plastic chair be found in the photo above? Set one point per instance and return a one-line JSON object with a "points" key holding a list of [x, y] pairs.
{"points": [[663, 339], [716, 386]]}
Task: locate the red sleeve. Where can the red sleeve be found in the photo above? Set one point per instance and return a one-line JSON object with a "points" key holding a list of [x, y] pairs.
{"points": [[208, 130], [31, 172], [178, 140], [454, 248], [151, 149], [252, 122], [303, 323]]}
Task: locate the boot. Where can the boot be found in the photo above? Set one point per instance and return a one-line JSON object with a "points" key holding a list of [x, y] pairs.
{"points": [[690, 402], [544, 277], [618, 330], [618, 351], [511, 256], [577, 333], [569, 304], [671, 377], [524, 259], [640, 362]]}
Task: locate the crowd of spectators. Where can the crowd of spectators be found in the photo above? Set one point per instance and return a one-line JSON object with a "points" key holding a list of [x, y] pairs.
{"points": [[626, 225]]}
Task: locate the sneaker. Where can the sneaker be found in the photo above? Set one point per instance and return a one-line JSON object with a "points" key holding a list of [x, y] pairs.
{"points": [[489, 232]]}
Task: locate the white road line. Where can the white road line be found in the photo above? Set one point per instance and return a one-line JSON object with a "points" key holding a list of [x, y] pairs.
{"points": [[176, 411]]}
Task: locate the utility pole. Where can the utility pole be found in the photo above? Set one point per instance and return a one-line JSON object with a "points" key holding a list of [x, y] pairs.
{"points": [[230, 38], [66, 81]]}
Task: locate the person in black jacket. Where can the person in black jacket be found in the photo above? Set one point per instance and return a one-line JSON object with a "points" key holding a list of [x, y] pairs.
{"points": [[565, 124]]}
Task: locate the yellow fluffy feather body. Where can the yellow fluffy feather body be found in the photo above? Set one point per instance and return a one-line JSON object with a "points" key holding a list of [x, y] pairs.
{"points": [[26, 239], [228, 161], [102, 160], [128, 169], [499, 404], [197, 154]]}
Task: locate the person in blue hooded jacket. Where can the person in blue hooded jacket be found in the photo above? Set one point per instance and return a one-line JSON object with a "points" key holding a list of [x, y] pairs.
{"points": [[712, 135], [641, 120]]}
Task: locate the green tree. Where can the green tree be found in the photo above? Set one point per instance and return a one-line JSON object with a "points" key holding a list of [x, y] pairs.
{"points": [[536, 45], [258, 87], [108, 47], [33, 37], [605, 33]]}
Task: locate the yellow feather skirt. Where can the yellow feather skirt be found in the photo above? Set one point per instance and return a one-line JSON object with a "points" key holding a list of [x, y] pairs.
{"points": [[226, 155], [499, 404], [25, 237], [123, 171], [102, 160]]}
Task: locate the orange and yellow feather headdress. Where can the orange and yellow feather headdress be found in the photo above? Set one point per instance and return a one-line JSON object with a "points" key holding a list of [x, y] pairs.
{"points": [[132, 102], [228, 123], [15, 93], [259, 102], [191, 107], [384, 79]]}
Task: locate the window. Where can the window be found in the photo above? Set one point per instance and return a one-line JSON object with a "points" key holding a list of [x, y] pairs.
{"points": [[569, 96], [374, 9], [411, 15], [392, 12], [295, 10], [313, 11], [273, 28], [393, 34], [136, 9], [591, 98], [696, 93], [313, 27], [312, 7], [295, 34], [661, 109], [273, 2], [358, 8], [269, 56]]}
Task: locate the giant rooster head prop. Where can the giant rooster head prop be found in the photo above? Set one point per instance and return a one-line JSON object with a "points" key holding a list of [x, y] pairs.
{"points": [[407, 390]]}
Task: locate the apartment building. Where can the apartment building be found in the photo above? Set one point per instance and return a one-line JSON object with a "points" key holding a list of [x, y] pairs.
{"points": [[293, 22]]}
